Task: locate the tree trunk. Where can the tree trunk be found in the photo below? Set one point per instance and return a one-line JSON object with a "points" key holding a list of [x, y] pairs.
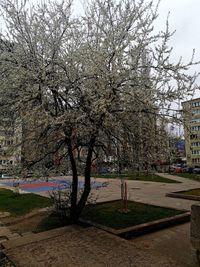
{"points": [[76, 209], [74, 192], [87, 187]]}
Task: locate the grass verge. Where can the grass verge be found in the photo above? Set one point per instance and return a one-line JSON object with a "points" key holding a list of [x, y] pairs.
{"points": [[137, 177], [108, 214], [192, 176], [191, 192], [52, 221], [21, 204]]}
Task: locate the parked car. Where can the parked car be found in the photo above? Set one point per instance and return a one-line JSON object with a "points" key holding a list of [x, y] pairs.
{"points": [[190, 169], [196, 170], [69, 172], [185, 169], [172, 168], [6, 176], [103, 170], [30, 175], [178, 169]]}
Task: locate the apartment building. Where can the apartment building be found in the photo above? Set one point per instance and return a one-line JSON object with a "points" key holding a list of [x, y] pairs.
{"points": [[191, 117], [7, 157]]}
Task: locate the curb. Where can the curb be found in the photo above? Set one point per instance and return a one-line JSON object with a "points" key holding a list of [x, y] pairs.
{"points": [[141, 229], [179, 194]]}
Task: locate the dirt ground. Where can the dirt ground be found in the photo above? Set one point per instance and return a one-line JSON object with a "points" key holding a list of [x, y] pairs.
{"points": [[24, 224]]}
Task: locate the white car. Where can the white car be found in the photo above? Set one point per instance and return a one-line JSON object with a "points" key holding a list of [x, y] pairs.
{"points": [[6, 176]]}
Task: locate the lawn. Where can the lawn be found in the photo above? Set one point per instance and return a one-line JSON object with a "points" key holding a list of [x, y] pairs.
{"points": [[21, 204], [192, 176], [137, 177], [50, 222], [191, 192], [108, 214]]}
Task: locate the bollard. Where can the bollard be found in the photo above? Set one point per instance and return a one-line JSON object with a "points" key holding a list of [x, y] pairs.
{"points": [[195, 229]]}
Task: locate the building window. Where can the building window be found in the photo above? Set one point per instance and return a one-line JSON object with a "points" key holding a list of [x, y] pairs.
{"points": [[196, 160], [195, 120], [193, 136], [195, 128], [195, 144], [196, 111], [196, 152], [195, 104]]}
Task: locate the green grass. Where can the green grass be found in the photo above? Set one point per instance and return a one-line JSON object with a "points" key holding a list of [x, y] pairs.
{"points": [[108, 214], [50, 222], [191, 192], [192, 176], [137, 177], [20, 204]]}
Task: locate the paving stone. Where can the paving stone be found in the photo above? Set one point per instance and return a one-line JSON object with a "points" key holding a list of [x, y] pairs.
{"points": [[3, 239], [89, 247], [23, 240], [4, 214], [4, 231], [94, 248], [27, 234], [13, 236]]}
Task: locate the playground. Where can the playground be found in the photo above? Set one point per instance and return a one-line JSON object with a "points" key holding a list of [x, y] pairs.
{"points": [[38, 186]]}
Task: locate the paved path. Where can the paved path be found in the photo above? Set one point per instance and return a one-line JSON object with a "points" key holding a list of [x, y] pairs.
{"points": [[155, 193], [5, 232], [147, 192], [92, 247], [150, 192], [88, 247], [144, 191], [172, 243]]}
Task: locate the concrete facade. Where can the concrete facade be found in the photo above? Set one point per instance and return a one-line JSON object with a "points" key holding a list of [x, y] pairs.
{"points": [[191, 115], [7, 140]]}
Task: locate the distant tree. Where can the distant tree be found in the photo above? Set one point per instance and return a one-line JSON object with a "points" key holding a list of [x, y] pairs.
{"points": [[86, 77]]}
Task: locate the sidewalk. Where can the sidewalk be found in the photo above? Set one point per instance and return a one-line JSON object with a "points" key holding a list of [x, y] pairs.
{"points": [[150, 192], [172, 243], [91, 247], [143, 191]]}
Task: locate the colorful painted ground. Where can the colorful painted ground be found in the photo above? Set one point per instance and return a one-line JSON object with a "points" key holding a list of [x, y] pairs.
{"points": [[42, 186]]}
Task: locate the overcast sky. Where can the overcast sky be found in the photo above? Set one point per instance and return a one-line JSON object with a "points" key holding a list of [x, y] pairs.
{"points": [[184, 18]]}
